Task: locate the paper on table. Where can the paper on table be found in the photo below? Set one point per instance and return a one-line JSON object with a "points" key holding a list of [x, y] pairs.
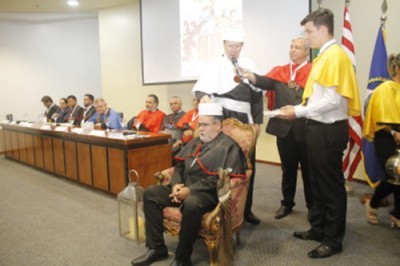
{"points": [[61, 129], [116, 135], [77, 130], [97, 133], [272, 113], [25, 124], [45, 127]]}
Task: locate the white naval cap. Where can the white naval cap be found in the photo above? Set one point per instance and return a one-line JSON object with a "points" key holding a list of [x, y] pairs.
{"points": [[233, 35], [212, 109]]}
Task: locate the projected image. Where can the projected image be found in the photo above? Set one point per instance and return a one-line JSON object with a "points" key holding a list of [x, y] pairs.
{"points": [[201, 25]]}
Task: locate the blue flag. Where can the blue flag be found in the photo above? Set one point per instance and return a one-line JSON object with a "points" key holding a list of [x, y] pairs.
{"points": [[373, 172]]}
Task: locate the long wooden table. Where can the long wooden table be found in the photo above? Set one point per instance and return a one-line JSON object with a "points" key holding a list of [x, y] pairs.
{"points": [[99, 161]]}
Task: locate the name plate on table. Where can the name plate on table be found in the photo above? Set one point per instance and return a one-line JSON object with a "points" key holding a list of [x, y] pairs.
{"points": [[45, 127], [97, 133], [61, 129], [136, 136]]}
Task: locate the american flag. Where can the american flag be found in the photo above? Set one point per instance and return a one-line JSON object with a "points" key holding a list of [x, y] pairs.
{"points": [[352, 154]]}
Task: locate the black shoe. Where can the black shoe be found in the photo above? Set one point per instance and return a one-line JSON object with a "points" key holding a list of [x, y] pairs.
{"points": [[251, 218], [150, 256], [323, 251], [181, 263], [307, 236], [282, 212]]}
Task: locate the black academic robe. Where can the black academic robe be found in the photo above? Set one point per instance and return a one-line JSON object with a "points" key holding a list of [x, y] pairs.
{"points": [[198, 163]]}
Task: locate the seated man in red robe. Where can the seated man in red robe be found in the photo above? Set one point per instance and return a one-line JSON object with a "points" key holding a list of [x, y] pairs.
{"points": [[151, 118]]}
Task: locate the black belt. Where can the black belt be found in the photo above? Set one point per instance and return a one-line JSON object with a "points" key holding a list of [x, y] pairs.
{"points": [[317, 123]]}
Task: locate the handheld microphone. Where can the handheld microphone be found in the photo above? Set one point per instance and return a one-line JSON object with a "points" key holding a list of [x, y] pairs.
{"points": [[239, 75]]}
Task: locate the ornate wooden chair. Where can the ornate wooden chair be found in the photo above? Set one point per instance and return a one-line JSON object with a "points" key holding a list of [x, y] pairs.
{"points": [[227, 218]]}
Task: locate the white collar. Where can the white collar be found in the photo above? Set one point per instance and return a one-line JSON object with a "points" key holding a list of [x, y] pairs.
{"points": [[326, 45]]}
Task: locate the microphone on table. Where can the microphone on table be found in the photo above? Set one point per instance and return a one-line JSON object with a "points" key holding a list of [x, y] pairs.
{"points": [[238, 77]]}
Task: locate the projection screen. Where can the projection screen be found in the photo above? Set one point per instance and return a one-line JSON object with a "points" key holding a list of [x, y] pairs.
{"points": [[179, 37]]}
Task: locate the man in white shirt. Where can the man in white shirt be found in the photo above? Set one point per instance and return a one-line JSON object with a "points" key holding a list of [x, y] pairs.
{"points": [[330, 96]]}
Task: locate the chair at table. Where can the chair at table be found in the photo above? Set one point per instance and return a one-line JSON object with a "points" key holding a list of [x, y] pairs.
{"points": [[228, 216]]}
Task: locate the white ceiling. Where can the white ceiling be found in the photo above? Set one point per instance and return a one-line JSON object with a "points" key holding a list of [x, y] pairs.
{"points": [[46, 10]]}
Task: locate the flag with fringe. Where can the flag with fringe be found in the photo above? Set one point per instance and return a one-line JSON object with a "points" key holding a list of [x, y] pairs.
{"points": [[373, 172]]}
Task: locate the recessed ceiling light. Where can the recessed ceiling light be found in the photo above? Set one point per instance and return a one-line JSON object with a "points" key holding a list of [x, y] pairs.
{"points": [[73, 3]]}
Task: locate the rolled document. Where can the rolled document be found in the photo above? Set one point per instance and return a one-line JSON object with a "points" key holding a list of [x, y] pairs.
{"points": [[273, 113]]}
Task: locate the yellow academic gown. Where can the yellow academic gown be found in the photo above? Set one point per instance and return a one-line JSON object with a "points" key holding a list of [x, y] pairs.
{"points": [[384, 106], [335, 61]]}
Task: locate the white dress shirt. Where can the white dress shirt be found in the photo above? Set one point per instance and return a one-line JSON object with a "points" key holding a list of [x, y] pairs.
{"points": [[324, 105]]}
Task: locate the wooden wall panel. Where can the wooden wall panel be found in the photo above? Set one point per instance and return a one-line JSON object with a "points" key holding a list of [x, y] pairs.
{"points": [[116, 164], [38, 144], [59, 162], [2, 142], [30, 151], [8, 146], [84, 165], [71, 169], [148, 160], [99, 166], [14, 145], [22, 147], [48, 154]]}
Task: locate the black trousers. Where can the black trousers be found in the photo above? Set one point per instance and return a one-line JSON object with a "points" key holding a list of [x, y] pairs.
{"points": [[292, 153], [385, 146], [249, 199], [156, 198], [325, 146]]}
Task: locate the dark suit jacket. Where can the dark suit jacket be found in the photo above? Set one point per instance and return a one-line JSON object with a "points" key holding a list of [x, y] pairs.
{"points": [[90, 113], [51, 111], [63, 115], [283, 96], [77, 114]]}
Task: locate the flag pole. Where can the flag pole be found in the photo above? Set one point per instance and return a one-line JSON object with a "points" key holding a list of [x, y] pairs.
{"points": [[384, 8], [319, 4]]}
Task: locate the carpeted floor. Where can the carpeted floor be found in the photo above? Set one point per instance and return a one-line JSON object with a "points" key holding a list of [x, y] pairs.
{"points": [[47, 220]]}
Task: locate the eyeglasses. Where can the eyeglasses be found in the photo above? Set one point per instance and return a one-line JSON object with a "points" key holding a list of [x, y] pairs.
{"points": [[233, 46], [206, 125]]}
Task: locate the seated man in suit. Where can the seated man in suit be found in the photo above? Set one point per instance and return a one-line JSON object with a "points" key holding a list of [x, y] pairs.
{"points": [[193, 187], [76, 115], [88, 107], [187, 124], [151, 118], [105, 117], [170, 120], [62, 115], [52, 108]]}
